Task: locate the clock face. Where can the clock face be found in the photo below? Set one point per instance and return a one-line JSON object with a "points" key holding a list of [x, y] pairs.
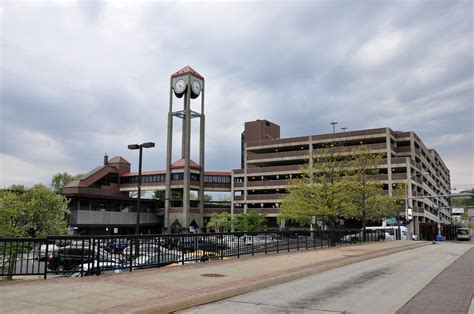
{"points": [[179, 86], [196, 87]]}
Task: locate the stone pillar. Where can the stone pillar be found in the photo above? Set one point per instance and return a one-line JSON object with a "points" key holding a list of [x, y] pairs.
{"points": [[202, 128], [169, 152], [187, 156]]}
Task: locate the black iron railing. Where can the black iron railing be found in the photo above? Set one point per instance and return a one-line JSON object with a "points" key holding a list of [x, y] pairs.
{"points": [[76, 256]]}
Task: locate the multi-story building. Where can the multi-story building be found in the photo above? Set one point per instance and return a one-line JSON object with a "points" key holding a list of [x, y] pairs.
{"points": [[102, 201], [268, 162]]}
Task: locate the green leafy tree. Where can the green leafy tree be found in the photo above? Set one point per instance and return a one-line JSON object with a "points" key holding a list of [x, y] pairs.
{"points": [[322, 191], [220, 222], [369, 202], [250, 222], [60, 180], [36, 212], [160, 195]]}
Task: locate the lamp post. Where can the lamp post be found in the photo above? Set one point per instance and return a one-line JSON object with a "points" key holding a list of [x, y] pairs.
{"points": [[140, 148], [344, 129], [333, 126], [406, 200]]}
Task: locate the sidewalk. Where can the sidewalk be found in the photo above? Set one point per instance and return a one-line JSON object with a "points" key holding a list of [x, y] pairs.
{"points": [[452, 291], [175, 288]]}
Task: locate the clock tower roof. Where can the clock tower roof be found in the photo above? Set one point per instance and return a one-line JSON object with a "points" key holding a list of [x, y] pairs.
{"points": [[188, 70]]}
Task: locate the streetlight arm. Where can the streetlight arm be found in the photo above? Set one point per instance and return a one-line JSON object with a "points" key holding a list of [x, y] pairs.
{"points": [[133, 146]]}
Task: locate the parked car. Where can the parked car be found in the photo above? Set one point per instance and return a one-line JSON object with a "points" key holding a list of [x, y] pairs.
{"points": [[372, 235], [232, 241], [90, 269], [463, 234], [162, 258], [205, 244], [257, 239], [69, 257], [40, 253], [143, 249], [117, 245], [201, 256]]}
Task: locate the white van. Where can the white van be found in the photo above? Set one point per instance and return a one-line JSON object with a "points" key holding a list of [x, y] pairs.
{"points": [[463, 234]]}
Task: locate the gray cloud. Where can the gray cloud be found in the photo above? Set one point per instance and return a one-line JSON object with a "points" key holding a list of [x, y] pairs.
{"points": [[86, 78]]}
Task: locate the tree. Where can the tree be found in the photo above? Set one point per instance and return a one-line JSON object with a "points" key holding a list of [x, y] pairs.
{"points": [[160, 195], [220, 222], [36, 212], [366, 192], [60, 180], [321, 191], [250, 222]]}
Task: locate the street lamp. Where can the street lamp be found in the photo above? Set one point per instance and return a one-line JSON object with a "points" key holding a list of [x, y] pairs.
{"points": [[344, 128], [408, 196], [140, 148], [333, 126]]}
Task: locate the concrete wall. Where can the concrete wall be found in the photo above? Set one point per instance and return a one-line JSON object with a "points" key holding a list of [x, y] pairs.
{"points": [[87, 217]]}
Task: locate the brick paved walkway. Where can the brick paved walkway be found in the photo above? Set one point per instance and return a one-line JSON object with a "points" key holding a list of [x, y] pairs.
{"points": [[174, 288], [452, 291]]}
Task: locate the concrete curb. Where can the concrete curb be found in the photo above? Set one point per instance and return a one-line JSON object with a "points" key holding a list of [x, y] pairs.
{"points": [[231, 292]]}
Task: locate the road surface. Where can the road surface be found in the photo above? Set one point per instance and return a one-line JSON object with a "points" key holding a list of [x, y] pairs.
{"points": [[381, 285]]}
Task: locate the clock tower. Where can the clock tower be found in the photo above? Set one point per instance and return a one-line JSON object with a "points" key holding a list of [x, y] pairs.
{"points": [[183, 176]]}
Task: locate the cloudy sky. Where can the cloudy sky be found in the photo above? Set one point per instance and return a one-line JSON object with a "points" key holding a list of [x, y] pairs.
{"points": [[83, 78]]}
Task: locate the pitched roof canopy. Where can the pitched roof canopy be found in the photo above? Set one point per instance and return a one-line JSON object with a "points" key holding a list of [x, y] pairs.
{"points": [[180, 165], [118, 159], [187, 70]]}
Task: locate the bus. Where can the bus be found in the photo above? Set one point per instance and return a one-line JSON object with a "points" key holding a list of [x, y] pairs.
{"points": [[392, 231]]}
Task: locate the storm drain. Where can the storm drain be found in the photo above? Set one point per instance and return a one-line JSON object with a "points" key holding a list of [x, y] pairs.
{"points": [[212, 275]]}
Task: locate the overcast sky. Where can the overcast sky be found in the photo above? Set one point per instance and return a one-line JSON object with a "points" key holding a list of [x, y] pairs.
{"points": [[81, 79]]}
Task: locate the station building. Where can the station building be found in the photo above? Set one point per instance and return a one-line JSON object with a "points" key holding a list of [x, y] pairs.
{"points": [[102, 200]]}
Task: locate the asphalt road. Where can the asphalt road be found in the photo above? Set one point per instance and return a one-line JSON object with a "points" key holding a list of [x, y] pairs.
{"points": [[381, 285]]}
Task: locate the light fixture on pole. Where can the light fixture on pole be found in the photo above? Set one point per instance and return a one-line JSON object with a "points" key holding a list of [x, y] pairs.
{"points": [[344, 129], [333, 126], [407, 209], [140, 148]]}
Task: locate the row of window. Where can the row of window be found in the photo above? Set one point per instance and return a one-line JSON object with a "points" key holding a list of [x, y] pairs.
{"points": [[217, 179], [176, 177]]}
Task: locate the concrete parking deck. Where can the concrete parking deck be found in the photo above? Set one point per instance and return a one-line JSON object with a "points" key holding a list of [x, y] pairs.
{"points": [[175, 288]]}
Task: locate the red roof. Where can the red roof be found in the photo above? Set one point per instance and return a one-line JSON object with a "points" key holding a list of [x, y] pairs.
{"points": [[188, 70], [180, 165]]}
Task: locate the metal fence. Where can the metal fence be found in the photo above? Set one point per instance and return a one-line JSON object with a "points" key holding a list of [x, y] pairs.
{"points": [[76, 256]]}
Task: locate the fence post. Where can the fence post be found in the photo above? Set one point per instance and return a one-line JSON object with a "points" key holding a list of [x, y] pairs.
{"points": [[238, 247], [278, 241], [82, 259], [182, 249], [297, 242], [45, 275], [265, 234], [253, 254], [288, 241], [98, 257], [222, 246]]}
